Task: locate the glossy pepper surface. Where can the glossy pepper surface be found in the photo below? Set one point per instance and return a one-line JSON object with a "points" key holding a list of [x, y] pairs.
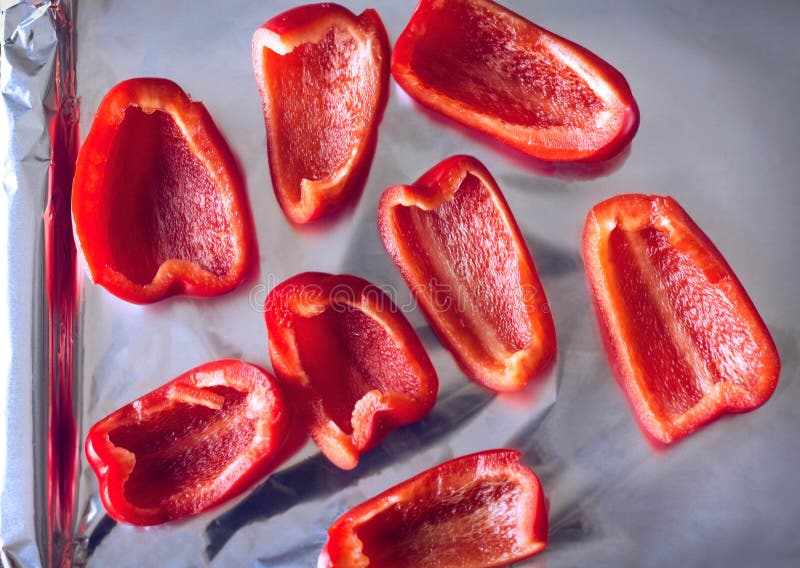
{"points": [[349, 360], [484, 509], [492, 70], [685, 340], [323, 76], [158, 203], [456, 243], [189, 445]]}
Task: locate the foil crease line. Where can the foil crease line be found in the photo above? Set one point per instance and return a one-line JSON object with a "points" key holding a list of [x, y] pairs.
{"points": [[38, 438], [27, 54], [62, 296]]}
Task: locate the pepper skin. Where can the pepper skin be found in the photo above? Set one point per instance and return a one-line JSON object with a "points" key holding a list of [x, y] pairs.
{"points": [[189, 445], [456, 243], [159, 205], [349, 360], [490, 69], [685, 341], [323, 76], [481, 510]]}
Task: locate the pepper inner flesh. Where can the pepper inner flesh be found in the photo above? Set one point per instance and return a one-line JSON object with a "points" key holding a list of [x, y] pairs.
{"points": [[686, 335], [323, 97], [183, 448], [472, 524], [472, 268], [500, 68], [162, 202], [346, 354]]}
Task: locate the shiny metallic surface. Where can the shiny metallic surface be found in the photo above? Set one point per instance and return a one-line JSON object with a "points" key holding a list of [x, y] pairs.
{"points": [[717, 85], [31, 44], [61, 298]]}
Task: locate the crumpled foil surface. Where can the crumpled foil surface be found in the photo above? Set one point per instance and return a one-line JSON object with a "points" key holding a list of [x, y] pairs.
{"points": [[717, 85]]}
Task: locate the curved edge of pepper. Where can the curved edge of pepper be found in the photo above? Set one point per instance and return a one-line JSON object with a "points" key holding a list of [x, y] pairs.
{"points": [[281, 34], [310, 293], [431, 189], [662, 432], [343, 545], [173, 276], [496, 128], [112, 465]]}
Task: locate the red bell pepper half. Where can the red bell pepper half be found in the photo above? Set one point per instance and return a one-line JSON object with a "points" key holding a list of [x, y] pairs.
{"points": [[158, 203], [190, 445], [484, 509], [492, 70], [350, 361], [456, 243], [685, 340], [323, 76]]}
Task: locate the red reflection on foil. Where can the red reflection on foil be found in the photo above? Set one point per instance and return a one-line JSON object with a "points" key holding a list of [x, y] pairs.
{"points": [[62, 296]]}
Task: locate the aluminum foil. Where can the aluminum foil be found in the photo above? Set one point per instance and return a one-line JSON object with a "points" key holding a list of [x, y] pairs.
{"points": [[717, 84], [39, 449]]}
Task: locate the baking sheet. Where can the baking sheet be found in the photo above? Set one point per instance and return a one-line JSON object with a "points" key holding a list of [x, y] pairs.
{"points": [[717, 85]]}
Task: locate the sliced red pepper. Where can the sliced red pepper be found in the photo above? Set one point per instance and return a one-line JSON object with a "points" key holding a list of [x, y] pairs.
{"points": [[159, 205], [455, 241], [323, 75], [190, 445], [349, 360], [492, 70], [481, 510], [686, 342]]}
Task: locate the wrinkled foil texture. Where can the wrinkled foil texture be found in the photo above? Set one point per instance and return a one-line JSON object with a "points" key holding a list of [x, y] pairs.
{"points": [[717, 84], [39, 449]]}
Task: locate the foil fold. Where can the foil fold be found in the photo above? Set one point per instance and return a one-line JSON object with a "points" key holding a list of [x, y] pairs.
{"points": [[38, 456]]}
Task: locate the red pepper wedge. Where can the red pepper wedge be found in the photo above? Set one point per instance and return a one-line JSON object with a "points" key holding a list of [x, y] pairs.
{"points": [[457, 244], [484, 509], [323, 76], [686, 342], [189, 445], [490, 69], [349, 360], [159, 205]]}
